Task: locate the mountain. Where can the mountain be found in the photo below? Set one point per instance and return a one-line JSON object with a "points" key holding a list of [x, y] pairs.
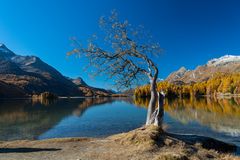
{"points": [[32, 76], [224, 64], [7, 91], [5, 52], [78, 81], [27, 75], [90, 91]]}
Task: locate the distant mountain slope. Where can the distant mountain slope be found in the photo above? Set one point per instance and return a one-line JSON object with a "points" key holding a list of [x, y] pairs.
{"points": [[9, 91], [225, 64], [27, 75], [78, 81], [32, 75], [90, 91]]}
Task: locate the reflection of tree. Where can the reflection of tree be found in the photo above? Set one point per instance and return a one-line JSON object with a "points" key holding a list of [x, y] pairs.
{"points": [[143, 102], [219, 114], [44, 101], [219, 106]]}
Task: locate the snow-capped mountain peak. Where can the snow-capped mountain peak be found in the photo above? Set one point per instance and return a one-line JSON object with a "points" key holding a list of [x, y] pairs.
{"points": [[223, 60]]}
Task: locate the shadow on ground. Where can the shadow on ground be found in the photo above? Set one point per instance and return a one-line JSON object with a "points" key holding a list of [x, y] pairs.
{"points": [[25, 150], [206, 142]]}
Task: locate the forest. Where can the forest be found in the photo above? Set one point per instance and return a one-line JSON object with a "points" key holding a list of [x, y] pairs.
{"points": [[219, 84]]}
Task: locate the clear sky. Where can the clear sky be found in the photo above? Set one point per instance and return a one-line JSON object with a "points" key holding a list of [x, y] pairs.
{"points": [[190, 31]]}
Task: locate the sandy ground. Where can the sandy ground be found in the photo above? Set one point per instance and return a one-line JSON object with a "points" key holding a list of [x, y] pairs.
{"points": [[140, 144]]}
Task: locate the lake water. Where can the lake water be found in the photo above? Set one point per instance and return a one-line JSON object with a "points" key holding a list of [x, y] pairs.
{"points": [[100, 117]]}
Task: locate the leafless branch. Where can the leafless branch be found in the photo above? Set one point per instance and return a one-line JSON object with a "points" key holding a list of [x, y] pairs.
{"points": [[127, 60]]}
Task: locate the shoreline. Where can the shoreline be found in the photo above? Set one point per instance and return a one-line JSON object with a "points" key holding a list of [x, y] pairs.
{"points": [[220, 96], [64, 97], [142, 143]]}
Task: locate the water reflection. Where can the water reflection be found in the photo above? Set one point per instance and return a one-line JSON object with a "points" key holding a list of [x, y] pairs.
{"points": [[88, 102], [27, 119], [222, 115]]}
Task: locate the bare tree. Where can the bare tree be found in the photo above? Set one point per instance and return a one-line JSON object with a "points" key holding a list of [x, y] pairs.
{"points": [[127, 58]]}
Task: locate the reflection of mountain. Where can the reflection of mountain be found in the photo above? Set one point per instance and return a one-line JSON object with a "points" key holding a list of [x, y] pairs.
{"points": [[89, 102], [220, 115], [24, 119]]}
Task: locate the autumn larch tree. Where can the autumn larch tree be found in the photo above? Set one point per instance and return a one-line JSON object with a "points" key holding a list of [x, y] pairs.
{"points": [[125, 58]]}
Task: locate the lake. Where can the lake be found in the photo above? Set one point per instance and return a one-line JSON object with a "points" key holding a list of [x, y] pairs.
{"points": [[101, 117]]}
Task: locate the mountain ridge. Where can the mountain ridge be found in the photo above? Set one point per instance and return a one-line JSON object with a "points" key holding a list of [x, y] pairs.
{"points": [[224, 64], [30, 75]]}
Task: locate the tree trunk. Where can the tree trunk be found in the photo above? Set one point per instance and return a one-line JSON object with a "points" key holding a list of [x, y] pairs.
{"points": [[160, 110], [152, 102], [155, 114]]}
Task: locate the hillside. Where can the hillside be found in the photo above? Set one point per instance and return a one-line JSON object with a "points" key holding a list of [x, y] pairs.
{"points": [[219, 77], [225, 64], [88, 90], [22, 76]]}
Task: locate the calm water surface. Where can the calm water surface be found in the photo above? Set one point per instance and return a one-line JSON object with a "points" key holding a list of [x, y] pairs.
{"points": [[100, 117]]}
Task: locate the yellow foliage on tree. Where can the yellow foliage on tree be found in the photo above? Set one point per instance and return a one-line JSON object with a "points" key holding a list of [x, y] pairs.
{"points": [[219, 84]]}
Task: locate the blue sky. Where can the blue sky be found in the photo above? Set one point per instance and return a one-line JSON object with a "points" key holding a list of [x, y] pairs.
{"points": [[190, 31]]}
